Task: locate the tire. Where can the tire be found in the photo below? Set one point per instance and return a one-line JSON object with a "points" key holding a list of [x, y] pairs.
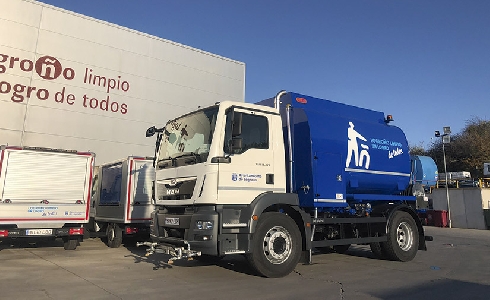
{"points": [[276, 245], [114, 235], [70, 244], [403, 237], [86, 233], [377, 250], [341, 248]]}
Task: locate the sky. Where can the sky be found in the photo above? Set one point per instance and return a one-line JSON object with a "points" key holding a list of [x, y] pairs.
{"points": [[427, 63]]}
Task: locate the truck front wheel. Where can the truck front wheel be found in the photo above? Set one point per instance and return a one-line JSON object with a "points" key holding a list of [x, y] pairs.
{"points": [[403, 237], [114, 235], [276, 245]]}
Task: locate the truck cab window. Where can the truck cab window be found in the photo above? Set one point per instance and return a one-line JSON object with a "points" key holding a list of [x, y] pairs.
{"points": [[254, 133]]}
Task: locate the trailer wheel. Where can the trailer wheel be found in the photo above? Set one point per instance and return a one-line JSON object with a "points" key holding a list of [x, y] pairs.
{"points": [[403, 237], [276, 245], [70, 244], [114, 235]]}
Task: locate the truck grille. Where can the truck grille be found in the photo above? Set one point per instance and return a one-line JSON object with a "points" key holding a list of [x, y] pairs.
{"points": [[175, 190]]}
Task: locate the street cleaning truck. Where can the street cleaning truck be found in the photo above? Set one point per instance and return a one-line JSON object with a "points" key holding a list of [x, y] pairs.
{"points": [[122, 200], [280, 178], [45, 193]]}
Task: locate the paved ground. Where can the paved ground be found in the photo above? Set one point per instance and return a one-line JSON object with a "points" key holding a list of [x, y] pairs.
{"points": [[456, 266]]}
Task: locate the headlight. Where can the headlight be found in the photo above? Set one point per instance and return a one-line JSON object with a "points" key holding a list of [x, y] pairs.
{"points": [[204, 224]]}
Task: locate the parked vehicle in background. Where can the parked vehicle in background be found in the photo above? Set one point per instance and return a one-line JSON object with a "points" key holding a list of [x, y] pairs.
{"points": [[423, 180], [457, 180], [274, 179], [122, 200], [45, 193]]}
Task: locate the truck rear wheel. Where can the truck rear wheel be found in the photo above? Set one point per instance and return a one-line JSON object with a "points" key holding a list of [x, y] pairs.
{"points": [[377, 250], [276, 245], [70, 244], [403, 237], [114, 235]]}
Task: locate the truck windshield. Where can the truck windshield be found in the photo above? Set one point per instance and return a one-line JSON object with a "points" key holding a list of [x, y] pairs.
{"points": [[187, 140]]}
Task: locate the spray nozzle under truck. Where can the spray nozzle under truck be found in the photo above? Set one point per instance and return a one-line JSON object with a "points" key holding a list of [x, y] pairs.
{"points": [[274, 179]]}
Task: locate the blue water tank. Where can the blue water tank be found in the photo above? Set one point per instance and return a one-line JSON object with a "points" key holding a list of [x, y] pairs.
{"points": [[342, 153]]}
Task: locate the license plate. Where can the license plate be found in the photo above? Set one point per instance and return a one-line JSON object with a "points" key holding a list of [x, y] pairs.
{"points": [[172, 221], [39, 232]]}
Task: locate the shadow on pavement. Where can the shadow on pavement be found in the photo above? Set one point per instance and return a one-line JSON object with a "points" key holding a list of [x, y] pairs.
{"points": [[439, 289], [236, 263], [19, 243]]}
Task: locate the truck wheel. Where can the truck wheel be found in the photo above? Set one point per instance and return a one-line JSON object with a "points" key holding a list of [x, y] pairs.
{"points": [[403, 237], [114, 235], [276, 245], [70, 244], [377, 250]]}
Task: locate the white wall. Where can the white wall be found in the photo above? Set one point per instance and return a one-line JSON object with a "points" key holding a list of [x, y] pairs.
{"points": [[158, 80], [465, 204]]}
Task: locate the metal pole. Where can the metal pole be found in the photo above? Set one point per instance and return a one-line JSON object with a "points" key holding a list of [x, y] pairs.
{"points": [[447, 187]]}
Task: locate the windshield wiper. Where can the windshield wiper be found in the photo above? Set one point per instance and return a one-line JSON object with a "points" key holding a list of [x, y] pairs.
{"points": [[165, 162], [197, 157]]}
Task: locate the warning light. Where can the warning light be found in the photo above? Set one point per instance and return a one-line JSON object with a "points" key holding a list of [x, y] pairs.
{"points": [[389, 118], [301, 100], [131, 230]]}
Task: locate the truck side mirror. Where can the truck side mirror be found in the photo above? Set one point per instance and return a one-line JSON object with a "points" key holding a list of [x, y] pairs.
{"points": [[151, 131], [236, 144], [237, 124]]}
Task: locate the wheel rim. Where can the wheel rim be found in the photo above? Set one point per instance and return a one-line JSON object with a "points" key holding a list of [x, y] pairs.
{"points": [[404, 236], [277, 245], [111, 234]]}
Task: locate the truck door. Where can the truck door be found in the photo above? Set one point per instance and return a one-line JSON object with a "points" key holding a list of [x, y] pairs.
{"points": [[248, 142]]}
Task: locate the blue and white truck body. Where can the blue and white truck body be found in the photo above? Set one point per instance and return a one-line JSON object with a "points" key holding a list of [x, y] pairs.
{"points": [[280, 178]]}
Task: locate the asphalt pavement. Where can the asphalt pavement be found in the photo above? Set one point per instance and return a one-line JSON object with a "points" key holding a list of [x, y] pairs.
{"points": [[456, 266]]}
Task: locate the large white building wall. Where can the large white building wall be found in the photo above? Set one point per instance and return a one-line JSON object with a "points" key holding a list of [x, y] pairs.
{"points": [[73, 82]]}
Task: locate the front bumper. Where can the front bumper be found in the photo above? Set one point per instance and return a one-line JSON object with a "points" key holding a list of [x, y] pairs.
{"points": [[179, 231]]}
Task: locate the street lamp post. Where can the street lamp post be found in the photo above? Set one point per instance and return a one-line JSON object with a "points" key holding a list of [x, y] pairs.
{"points": [[446, 139]]}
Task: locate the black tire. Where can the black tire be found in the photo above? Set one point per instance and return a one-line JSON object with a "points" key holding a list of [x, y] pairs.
{"points": [[341, 248], [377, 250], [86, 234], [70, 244], [114, 235], [276, 245], [403, 237]]}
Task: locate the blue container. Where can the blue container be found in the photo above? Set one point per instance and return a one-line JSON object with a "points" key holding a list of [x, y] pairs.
{"points": [[424, 170], [342, 153]]}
